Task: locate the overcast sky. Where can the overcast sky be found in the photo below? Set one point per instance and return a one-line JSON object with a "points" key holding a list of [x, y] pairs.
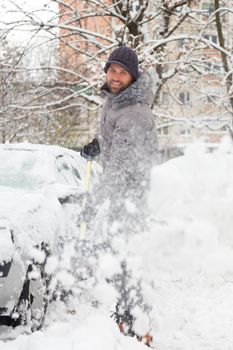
{"points": [[13, 11]]}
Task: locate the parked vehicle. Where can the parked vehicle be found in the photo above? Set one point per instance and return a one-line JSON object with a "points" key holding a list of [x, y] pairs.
{"points": [[36, 215]]}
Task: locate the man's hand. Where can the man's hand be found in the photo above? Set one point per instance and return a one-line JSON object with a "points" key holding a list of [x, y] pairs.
{"points": [[91, 150]]}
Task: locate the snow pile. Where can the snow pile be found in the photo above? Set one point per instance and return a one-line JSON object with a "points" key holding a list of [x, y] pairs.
{"points": [[185, 258], [191, 197], [188, 252]]}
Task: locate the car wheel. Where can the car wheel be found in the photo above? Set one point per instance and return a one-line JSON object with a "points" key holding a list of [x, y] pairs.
{"points": [[33, 301]]}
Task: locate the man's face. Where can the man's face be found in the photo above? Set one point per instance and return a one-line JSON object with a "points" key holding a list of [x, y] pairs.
{"points": [[118, 78]]}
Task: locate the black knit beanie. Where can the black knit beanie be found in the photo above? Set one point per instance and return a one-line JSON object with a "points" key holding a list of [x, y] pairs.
{"points": [[125, 57]]}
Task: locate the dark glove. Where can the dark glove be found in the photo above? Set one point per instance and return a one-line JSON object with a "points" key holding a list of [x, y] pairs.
{"points": [[91, 150]]}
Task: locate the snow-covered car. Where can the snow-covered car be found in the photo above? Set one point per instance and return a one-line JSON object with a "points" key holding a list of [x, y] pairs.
{"points": [[36, 215]]}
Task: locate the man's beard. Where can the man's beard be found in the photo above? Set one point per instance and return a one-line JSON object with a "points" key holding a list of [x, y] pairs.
{"points": [[115, 89]]}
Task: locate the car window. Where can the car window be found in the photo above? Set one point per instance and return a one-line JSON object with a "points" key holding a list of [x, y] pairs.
{"points": [[68, 173], [17, 169]]}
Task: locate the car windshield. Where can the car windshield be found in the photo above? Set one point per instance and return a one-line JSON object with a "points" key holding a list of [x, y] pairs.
{"points": [[17, 169]]}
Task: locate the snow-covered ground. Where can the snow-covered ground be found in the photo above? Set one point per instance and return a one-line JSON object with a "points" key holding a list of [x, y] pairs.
{"points": [[185, 258]]}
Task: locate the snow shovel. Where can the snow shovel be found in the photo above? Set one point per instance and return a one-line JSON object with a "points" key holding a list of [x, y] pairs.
{"points": [[83, 225]]}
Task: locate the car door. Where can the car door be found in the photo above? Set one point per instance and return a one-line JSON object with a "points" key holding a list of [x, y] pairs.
{"points": [[70, 175]]}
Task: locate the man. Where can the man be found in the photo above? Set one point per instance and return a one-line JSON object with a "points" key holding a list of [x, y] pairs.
{"points": [[127, 139], [127, 144]]}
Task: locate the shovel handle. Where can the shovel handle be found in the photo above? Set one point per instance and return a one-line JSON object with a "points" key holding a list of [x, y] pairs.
{"points": [[83, 225], [88, 176]]}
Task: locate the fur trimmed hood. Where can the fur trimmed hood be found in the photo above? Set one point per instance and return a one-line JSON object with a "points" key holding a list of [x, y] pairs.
{"points": [[140, 91]]}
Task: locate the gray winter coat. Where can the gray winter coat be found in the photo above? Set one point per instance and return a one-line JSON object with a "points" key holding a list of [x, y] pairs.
{"points": [[128, 140]]}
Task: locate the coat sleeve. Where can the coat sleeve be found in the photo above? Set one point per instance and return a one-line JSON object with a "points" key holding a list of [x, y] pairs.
{"points": [[128, 156]]}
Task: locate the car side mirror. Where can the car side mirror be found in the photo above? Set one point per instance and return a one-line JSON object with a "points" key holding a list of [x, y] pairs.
{"points": [[70, 199], [65, 194]]}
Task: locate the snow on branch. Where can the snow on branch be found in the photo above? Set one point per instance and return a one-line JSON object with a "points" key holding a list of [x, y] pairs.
{"points": [[155, 44]]}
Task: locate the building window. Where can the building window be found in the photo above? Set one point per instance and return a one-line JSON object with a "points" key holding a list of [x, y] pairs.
{"points": [[181, 43], [213, 98], [225, 128], [163, 130], [208, 7], [185, 131], [211, 37], [213, 95], [164, 98], [184, 97], [213, 66], [134, 7]]}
